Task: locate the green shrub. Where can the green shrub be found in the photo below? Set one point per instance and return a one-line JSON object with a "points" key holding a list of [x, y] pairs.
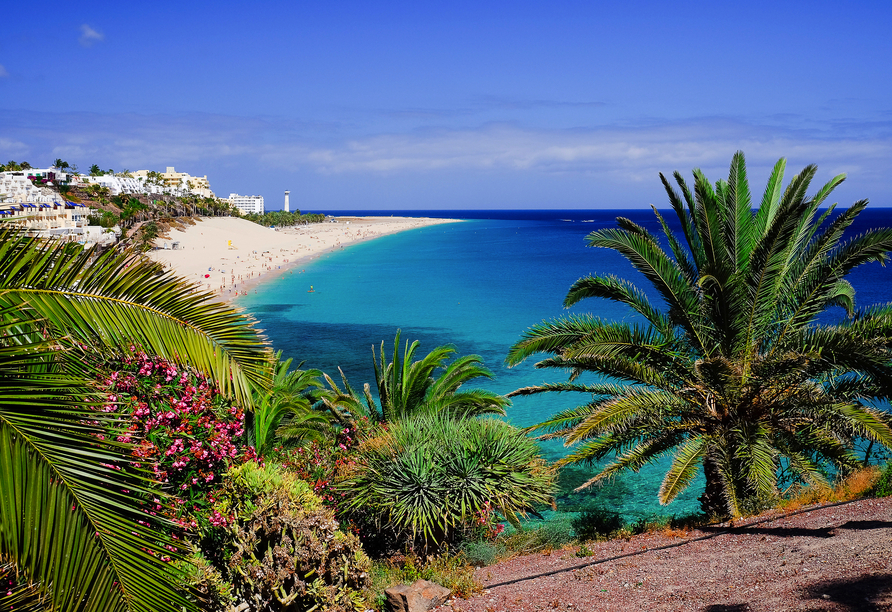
{"points": [[483, 552], [279, 548], [597, 523], [551, 535], [584, 551], [207, 581], [451, 571], [883, 485], [428, 478]]}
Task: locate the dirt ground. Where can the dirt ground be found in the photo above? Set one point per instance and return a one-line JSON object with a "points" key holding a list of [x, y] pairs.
{"points": [[829, 558]]}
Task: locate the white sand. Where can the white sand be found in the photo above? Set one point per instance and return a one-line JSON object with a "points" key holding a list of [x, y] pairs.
{"points": [[227, 255]]}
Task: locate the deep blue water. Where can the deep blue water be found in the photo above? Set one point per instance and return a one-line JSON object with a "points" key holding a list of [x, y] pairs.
{"points": [[477, 285]]}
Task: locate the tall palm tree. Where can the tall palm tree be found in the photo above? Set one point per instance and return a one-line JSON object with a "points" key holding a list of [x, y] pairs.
{"points": [[734, 374], [73, 532]]}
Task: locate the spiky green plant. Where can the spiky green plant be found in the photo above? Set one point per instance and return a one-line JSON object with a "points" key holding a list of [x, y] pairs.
{"points": [[428, 475], [71, 525], [407, 388], [285, 411], [734, 373]]}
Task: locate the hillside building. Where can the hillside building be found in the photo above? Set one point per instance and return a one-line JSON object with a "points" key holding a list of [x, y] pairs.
{"points": [[247, 204], [17, 187], [179, 183]]}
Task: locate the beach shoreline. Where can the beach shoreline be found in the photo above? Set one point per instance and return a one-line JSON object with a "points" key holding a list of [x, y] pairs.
{"points": [[229, 256]]}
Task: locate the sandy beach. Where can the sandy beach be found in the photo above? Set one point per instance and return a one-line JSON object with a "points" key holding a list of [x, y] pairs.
{"points": [[228, 256]]}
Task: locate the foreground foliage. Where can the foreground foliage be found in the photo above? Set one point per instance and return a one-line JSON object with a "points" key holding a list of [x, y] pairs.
{"points": [[425, 479], [284, 413], [734, 374], [96, 545], [408, 387], [180, 425], [278, 549], [449, 570]]}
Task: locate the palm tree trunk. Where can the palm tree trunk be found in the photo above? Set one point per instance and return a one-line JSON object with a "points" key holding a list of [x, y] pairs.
{"points": [[714, 501]]}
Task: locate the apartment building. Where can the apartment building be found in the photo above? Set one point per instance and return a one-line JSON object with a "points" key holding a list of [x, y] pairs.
{"points": [[180, 183], [17, 187], [247, 204]]}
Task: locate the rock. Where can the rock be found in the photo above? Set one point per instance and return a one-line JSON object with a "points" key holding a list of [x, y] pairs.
{"points": [[418, 597]]}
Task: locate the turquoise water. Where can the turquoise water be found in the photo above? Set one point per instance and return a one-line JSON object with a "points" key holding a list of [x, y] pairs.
{"points": [[477, 285]]}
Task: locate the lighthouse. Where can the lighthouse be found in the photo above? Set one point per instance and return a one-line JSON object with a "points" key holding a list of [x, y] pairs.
{"points": [[287, 193]]}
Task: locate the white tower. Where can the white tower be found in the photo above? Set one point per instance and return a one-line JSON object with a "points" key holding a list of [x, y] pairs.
{"points": [[286, 201]]}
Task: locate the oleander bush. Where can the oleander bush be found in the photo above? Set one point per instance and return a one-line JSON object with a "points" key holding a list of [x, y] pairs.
{"points": [[266, 535], [180, 424]]}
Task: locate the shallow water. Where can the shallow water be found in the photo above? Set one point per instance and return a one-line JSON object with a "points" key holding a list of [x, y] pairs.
{"points": [[477, 285]]}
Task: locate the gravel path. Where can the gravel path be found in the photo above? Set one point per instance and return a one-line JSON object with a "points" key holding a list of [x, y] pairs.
{"points": [[829, 558]]}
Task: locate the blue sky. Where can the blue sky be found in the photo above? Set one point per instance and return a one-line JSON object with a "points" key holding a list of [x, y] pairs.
{"points": [[389, 105]]}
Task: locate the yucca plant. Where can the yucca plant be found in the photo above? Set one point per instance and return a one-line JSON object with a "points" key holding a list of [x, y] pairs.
{"points": [[73, 532], [734, 374], [425, 477]]}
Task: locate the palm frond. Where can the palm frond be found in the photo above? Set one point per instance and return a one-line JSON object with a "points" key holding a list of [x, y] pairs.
{"points": [[684, 467], [70, 518], [116, 300], [619, 290]]}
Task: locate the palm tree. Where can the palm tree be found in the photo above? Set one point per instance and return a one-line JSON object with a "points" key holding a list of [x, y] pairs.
{"points": [[148, 234], [286, 411], [735, 374], [408, 388], [73, 532]]}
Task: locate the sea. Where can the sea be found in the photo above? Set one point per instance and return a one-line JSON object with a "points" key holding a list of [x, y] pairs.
{"points": [[478, 285]]}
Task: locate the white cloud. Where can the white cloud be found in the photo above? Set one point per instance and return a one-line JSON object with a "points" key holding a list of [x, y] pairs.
{"points": [[12, 148], [3, 72], [622, 158], [632, 153], [89, 36]]}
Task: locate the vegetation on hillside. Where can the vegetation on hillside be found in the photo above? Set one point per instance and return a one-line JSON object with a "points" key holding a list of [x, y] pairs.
{"points": [[14, 166], [280, 218]]}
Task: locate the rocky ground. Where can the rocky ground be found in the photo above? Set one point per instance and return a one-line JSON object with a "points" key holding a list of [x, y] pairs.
{"points": [[829, 558]]}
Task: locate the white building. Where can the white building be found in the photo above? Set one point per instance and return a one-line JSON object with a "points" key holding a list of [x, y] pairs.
{"points": [[247, 204], [117, 185], [17, 187], [48, 219], [181, 183]]}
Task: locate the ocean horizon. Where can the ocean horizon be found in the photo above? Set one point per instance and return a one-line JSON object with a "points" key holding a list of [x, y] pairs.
{"points": [[478, 285]]}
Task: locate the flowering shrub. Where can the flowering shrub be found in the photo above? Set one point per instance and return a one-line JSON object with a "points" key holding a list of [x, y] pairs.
{"points": [[321, 464], [179, 423], [485, 524]]}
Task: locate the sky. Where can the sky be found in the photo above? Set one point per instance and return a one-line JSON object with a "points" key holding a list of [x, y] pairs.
{"points": [[453, 105]]}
